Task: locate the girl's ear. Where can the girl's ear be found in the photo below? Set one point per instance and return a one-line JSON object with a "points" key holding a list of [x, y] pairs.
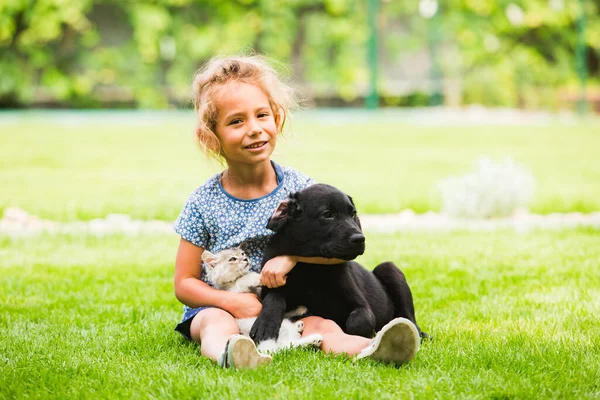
{"points": [[209, 259], [279, 119], [208, 140]]}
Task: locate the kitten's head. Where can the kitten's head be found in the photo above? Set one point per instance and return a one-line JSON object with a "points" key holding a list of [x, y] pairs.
{"points": [[226, 266]]}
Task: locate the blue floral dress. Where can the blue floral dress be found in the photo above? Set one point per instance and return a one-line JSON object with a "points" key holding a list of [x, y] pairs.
{"points": [[215, 220]]}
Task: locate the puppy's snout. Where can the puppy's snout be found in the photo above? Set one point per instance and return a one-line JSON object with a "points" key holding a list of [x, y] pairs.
{"points": [[357, 238]]}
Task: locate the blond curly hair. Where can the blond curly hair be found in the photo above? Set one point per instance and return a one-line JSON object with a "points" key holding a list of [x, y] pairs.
{"points": [[222, 70]]}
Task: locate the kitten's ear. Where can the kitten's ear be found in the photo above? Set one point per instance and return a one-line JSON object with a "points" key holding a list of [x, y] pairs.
{"points": [[209, 259], [242, 245]]}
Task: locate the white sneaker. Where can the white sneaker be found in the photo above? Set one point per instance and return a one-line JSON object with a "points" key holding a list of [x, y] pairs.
{"points": [[240, 352], [397, 342]]}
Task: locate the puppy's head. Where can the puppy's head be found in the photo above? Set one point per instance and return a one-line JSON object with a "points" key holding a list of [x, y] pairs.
{"points": [[319, 221]]}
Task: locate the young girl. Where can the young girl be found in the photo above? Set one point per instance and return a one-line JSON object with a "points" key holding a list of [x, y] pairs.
{"points": [[241, 107]]}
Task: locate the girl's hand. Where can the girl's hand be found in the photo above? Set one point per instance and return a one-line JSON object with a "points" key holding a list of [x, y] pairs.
{"points": [[243, 305], [274, 273]]}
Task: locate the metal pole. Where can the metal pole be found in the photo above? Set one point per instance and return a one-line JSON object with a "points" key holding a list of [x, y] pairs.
{"points": [[581, 58], [435, 72], [372, 98]]}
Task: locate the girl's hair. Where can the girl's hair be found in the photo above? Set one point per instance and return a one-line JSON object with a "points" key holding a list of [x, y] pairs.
{"points": [[222, 70]]}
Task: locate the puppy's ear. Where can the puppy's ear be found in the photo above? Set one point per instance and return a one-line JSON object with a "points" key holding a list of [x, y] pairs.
{"points": [[287, 209], [356, 216], [209, 259]]}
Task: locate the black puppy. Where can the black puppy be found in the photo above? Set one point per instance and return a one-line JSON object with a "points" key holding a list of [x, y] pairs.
{"points": [[321, 221]]}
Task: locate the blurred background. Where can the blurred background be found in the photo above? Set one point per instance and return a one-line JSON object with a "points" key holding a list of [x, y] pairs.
{"points": [[405, 98], [436, 116], [530, 54]]}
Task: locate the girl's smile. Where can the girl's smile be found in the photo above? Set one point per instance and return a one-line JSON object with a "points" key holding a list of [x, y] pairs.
{"points": [[256, 146]]}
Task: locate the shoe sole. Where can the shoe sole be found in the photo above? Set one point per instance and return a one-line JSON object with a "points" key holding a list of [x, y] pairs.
{"points": [[398, 342], [242, 353]]}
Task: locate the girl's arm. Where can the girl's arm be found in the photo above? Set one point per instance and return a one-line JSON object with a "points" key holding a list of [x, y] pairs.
{"points": [[274, 273], [191, 291]]}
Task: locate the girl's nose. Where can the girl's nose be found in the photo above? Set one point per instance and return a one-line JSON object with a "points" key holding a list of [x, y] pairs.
{"points": [[254, 127]]}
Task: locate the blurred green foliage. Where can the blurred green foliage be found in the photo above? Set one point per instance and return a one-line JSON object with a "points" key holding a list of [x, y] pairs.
{"points": [[87, 53]]}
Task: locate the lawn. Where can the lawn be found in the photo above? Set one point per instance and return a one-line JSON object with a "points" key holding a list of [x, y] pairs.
{"points": [[512, 316], [81, 166]]}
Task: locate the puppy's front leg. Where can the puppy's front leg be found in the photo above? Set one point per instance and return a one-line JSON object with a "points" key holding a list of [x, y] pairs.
{"points": [[269, 320]]}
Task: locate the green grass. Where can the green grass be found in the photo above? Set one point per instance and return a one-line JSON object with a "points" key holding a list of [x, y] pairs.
{"points": [[60, 170], [513, 316]]}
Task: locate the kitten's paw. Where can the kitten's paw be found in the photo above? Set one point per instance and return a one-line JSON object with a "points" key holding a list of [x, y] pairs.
{"points": [[314, 340], [301, 310], [299, 326]]}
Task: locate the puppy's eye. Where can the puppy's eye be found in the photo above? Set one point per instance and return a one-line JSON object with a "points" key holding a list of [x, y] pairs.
{"points": [[354, 213], [233, 259], [327, 215]]}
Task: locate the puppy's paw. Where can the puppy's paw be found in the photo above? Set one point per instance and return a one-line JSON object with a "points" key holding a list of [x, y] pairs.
{"points": [[264, 329]]}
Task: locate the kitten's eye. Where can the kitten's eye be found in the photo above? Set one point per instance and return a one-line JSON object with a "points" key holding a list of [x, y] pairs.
{"points": [[327, 215], [233, 259]]}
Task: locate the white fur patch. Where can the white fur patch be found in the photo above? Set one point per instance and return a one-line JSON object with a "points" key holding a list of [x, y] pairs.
{"points": [[230, 270]]}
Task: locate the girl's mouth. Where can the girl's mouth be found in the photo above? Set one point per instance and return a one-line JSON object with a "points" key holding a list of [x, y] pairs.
{"points": [[255, 146]]}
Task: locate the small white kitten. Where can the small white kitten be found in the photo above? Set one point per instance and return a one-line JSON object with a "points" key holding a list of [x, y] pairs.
{"points": [[229, 270]]}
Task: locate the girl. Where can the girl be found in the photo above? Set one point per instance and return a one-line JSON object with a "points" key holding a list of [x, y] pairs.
{"points": [[241, 106]]}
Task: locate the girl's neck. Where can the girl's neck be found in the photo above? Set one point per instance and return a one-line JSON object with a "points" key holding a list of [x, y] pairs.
{"points": [[249, 181]]}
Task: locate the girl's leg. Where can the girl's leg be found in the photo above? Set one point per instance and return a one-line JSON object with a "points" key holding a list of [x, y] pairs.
{"points": [[334, 339], [212, 328], [397, 342], [218, 335]]}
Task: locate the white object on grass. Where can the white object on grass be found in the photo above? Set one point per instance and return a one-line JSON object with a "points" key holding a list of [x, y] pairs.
{"points": [[493, 190]]}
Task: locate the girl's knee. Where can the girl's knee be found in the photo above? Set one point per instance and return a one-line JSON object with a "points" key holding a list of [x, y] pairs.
{"points": [[320, 325], [212, 319]]}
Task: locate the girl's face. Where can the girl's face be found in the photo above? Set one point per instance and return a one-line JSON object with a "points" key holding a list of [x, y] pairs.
{"points": [[246, 125]]}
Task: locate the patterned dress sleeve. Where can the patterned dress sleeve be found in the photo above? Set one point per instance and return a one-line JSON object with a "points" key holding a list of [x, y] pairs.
{"points": [[304, 181], [190, 224], [309, 181]]}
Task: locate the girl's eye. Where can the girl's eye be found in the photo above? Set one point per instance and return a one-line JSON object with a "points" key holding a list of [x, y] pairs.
{"points": [[232, 259], [262, 115], [327, 215], [235, 122]]}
